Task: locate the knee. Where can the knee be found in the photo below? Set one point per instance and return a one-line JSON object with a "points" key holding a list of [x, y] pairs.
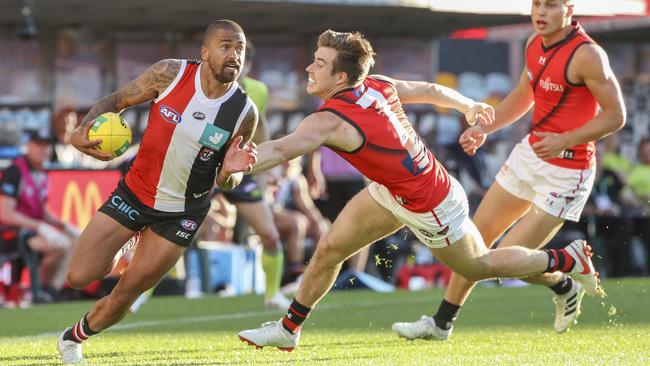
{"points": [[301, 223], [327, 255], [269, 237], [77, 279]]}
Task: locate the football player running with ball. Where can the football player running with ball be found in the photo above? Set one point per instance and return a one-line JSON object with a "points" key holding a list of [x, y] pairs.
{"points": [[199, 119]]}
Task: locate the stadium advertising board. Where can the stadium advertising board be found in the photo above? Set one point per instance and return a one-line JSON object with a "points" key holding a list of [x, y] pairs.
{"points": [[75, 195]]}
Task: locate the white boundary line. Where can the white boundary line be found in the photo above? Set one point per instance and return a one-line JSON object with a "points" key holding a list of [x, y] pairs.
{"points": [[196, 319]]}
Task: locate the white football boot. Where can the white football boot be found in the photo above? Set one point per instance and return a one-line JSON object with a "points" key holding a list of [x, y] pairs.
{"points": [[271, 334], [424, 328], [70, 351], [583, 271], [567, 307]]}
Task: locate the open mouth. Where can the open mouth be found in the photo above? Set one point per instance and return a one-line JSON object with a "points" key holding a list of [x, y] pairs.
{"points": [[232, 67]]}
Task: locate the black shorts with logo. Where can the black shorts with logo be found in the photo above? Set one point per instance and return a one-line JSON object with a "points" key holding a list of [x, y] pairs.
{"points": [[246, 191], [177, 227]]}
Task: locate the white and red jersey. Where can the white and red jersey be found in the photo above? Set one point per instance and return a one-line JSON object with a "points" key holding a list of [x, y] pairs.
{"points": [[185, 142], [560, 105], [392, 154]]}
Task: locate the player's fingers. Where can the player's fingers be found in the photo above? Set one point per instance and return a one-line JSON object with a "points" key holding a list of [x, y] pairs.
{"points": [[489, 115], [92, 143], [237, 141], [85, 128]]}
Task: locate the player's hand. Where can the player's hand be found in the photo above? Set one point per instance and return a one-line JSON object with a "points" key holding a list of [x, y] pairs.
{"points": [[239, 159], [480, 112], [79, 139], [550, 146], [472, 139]]}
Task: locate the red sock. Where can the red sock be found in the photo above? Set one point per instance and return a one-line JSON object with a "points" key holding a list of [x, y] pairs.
{"points": [[559, 260], [295, 316]]}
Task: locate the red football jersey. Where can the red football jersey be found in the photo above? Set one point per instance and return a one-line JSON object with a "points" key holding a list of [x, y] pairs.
{"points": [[560, 105], [392, 153]]}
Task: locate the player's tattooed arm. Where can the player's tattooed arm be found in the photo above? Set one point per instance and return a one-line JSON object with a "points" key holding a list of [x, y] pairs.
{"points": [[146, 87], [239, 159]]}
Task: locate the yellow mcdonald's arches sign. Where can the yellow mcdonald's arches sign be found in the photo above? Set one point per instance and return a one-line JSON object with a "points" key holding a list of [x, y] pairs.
{"points": [[84, 203]]}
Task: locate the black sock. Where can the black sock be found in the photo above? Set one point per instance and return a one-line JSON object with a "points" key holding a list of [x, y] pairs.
{"points": [[564, 286], [80, 331], [295, 316], [446, 315]]}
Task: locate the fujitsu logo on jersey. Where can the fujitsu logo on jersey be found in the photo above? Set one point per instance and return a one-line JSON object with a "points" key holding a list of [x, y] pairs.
{"points": [[547, 85], [169, 114]]}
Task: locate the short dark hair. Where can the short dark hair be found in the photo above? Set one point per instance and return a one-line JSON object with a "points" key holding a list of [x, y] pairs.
{"points": [[220, 24], [354, 55]]}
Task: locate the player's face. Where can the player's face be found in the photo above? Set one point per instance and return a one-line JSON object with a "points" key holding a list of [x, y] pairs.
{"points": [[550, 16], [321, 80], [224, 54]]}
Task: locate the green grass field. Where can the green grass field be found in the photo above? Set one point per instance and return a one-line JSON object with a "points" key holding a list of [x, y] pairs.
{"points": [[499, 326]]}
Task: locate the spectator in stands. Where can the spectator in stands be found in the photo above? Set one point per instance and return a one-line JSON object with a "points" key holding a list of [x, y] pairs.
{"points": [[604, 207], [638, 181], [293, 200], [637, 198], [23, 195]]}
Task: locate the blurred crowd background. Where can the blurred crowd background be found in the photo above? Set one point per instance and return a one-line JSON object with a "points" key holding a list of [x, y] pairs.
{"points": [[59, 58]]}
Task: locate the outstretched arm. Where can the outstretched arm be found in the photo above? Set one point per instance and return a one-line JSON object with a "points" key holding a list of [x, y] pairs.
{"points": [[146, 87], [315, 130], [239, 159], [418, 92]]}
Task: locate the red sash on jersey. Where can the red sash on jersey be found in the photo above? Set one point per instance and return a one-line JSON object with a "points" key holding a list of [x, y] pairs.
{"points": [[560, 105]]}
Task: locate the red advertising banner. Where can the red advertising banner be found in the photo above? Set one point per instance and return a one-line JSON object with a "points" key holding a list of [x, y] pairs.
{"points": [[75, 195]]}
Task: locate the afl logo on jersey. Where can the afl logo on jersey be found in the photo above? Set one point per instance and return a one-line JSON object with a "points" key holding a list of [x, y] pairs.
{"points": [[188, 225], [169, 114]]}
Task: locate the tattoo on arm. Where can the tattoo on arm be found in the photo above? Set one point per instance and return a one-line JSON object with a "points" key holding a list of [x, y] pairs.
{"points": [[146, 87]]}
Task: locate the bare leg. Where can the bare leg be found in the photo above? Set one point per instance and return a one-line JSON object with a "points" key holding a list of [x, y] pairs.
{"points": [[153, 259], [258, 215], [93, 253], [292, 226], [347, 235], [534, 230], [470, 258]]}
